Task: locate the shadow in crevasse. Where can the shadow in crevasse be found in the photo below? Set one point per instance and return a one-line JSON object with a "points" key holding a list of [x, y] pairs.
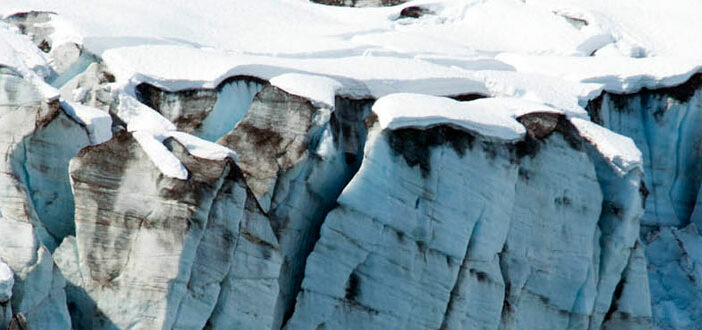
{"points": [[84, 311]]}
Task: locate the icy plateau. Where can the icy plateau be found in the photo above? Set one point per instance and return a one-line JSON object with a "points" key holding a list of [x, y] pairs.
{"points": [[351, 164]]}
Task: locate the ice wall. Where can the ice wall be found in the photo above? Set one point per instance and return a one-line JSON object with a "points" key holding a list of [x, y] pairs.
{"points": [[443, 227], [665, 124]]}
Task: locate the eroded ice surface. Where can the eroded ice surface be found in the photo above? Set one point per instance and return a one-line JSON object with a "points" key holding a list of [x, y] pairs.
{"points": [[484, 99]]}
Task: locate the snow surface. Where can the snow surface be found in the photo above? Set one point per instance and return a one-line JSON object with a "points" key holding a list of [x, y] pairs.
{"points": [[166, 162], [63, 31], [7, 280], [496, 118], [18, 51], [139, 117], [620, 150], [320, 90], [537, 55], [491, 117], [203, 148], [619, 46], [150, 129], [615, 74], [554, 54], [98, 122]]}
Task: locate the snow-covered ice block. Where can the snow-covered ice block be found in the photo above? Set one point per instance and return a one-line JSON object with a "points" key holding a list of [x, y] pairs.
{"points": [[203, 148], [491, 117], [98, 122], [618, 149], [166, 162], [317, 89], [139, 117]]}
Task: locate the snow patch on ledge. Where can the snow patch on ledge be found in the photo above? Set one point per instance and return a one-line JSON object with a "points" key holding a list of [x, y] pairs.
{"points": [[620, 150], [490, 117], [496, 118], [139, 117], [7, 280], [202, 148], [97, 122], [166, 162], [150, 129], [320, 90]]}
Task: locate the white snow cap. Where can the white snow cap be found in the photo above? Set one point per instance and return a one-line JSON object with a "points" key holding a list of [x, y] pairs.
{"points": [[150, 129], [496, 118], [202, 148], [7, 280], [490, 117], [618, 149], [530, 50], [166, 162], [97, 122], [619, 45], [319, 90], [139, 117]]}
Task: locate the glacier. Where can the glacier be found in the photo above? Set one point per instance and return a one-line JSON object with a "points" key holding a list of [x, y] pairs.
{"points": [[665, 124], [299, 164]]}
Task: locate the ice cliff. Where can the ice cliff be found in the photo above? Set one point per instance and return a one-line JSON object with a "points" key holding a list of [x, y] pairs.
{"points": [[477, 226], [665, 124], [293, 164]]}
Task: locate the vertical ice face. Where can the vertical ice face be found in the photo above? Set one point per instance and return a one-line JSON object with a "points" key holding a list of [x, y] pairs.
{"points": [[159, 258], [186, 109], [37, 293], [233, 101], [441, 228], [296, 158], [665, 124], [41, 156], [445, 228], [206, 250], [390, 253], [46, 155], [674, 274], [206, 113], [550, 277]]}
